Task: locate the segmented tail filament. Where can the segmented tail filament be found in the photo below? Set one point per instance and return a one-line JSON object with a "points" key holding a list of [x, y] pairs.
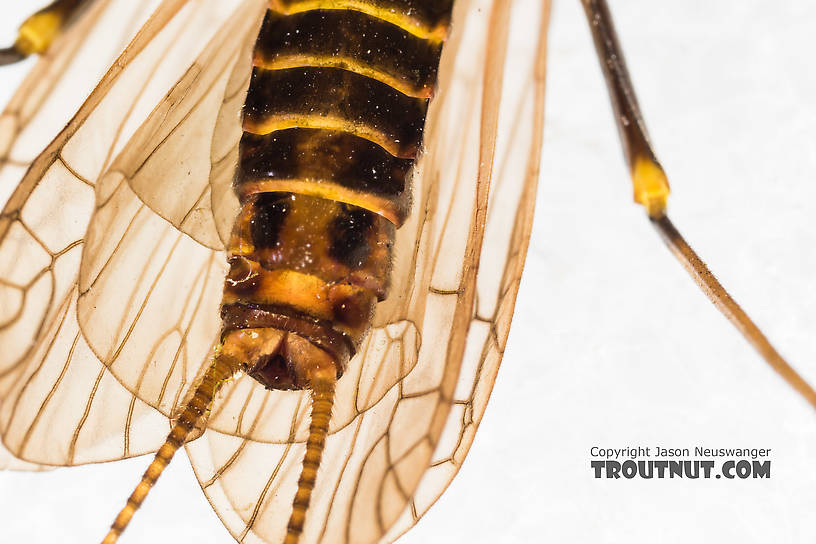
{"points": [[323, 387], [220, 371]]}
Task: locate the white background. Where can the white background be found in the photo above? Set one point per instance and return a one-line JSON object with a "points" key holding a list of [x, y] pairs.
{"points": [[611, 344]]}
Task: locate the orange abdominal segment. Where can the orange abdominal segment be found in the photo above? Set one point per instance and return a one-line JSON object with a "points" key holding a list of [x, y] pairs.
{"points": [[308, 243], [310, 266]]}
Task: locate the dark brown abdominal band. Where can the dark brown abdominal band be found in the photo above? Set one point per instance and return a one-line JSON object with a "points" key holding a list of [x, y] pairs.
{"points": [[322, 335]]}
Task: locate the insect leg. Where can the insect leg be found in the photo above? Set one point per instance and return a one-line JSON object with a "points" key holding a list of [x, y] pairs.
{"points": [[38, 31], [651, 189]]}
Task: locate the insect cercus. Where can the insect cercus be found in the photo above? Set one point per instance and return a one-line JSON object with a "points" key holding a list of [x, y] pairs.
{"points": [[611, 343]]}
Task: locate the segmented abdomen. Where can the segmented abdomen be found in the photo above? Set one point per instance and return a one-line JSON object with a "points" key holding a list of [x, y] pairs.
{"points": [[333, 122]]}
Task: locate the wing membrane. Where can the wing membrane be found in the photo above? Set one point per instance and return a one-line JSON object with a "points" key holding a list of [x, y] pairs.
{"points": [[515, 175], [61, 80], [149, 296], [169, 161], [45, 255], [9, 462]]}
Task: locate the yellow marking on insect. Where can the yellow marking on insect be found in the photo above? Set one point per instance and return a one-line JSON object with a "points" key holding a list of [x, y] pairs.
{"points": [[650, 185], [304, 292], [328, 122], [434, 34], [37, 32], [329, 191], [345, 63]]}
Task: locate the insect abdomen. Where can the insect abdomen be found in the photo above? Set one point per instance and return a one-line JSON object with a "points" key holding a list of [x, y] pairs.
{"points": [[333, 122]]}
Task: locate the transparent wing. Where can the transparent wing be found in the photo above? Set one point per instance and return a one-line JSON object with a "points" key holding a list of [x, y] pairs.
{"points": [[409, 404], [43, 104], [61, 80], [54, 89], [9, 462], [86, 264], [508, 223]]}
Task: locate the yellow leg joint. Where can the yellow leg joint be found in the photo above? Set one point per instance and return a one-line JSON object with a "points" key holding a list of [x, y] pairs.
{"points": [[651, 186], [37, 32]]}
